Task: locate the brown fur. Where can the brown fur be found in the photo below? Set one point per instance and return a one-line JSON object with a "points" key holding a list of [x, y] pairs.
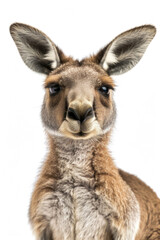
{"points": [[149, 205], [103, 172]]}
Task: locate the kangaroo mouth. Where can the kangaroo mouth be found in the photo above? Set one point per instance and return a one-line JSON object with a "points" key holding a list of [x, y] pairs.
{"points": [[74, 130], [80, 134]]}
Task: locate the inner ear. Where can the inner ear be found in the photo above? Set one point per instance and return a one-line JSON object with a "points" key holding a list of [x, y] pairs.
{"points": [[36, 49]]}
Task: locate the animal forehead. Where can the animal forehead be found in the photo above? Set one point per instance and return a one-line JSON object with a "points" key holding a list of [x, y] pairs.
{"points": [[80, 72], [72, 75], [86, 74]]}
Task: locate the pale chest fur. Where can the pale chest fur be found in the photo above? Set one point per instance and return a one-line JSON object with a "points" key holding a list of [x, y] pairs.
{"points": [[74, 208]]}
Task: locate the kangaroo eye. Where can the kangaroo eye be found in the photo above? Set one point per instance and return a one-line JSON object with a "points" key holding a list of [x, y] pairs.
{"points": [[104, 90], [54, 89]]}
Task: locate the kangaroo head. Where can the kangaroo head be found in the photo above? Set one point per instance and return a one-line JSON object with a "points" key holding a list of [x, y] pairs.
{"points": [[78, 101]]}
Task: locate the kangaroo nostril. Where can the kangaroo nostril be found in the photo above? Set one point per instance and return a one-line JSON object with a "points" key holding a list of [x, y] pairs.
{"points": [[88, 114], [73, 114]]}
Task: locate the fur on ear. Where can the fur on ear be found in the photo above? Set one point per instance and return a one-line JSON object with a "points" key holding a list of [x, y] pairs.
{"points": [[36, 49], [125, 51]]}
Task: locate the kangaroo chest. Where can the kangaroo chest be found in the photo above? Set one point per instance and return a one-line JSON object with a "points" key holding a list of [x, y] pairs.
{"points": [[77, 210]]}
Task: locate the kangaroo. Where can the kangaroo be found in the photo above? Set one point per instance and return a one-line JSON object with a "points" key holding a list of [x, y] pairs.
{"points": [[80, 194]]}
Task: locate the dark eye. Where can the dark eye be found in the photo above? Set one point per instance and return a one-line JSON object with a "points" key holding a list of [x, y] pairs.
{"points": [[104, 90], [54, 89]]}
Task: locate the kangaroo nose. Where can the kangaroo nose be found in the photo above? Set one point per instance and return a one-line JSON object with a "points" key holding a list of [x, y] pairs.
{"points": [[75, 115]]}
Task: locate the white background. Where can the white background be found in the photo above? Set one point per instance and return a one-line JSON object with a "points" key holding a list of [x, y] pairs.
{"points": [[80, 28]]}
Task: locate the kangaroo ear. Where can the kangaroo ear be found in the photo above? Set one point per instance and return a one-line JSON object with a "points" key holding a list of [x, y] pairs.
{"points": [[125, 51], [36, 49]]}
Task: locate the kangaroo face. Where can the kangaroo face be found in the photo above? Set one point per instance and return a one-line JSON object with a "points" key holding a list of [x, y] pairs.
{"points": [[78, 100]]}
